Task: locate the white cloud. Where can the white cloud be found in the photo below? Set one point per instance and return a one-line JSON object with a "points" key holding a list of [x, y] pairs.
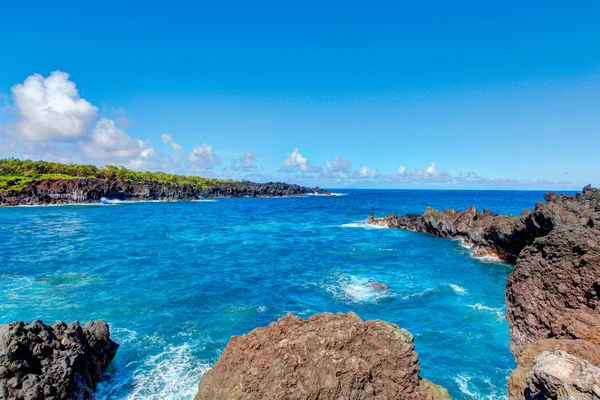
{"points": [[108, 144], [429, 173], [339, 166], [295, 161], [247, 160], [203, 158], [50, 109], [431, 169], [369, 173], [168, 139]]}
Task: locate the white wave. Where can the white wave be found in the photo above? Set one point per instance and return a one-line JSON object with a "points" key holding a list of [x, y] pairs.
{"points": [[466, 387], [171, 375], [326, 195], [385, 249], [205, 201], [487, 259], [419, 294], [463, 243], [458, 289], [358, 290], [364, 224], [499, 312]]}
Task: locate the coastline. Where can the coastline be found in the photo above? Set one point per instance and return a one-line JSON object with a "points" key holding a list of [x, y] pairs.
{"points": [[552, 295]]}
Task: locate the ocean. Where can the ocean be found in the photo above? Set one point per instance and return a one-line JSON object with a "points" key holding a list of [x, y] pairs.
{"points": [[176, 280]]}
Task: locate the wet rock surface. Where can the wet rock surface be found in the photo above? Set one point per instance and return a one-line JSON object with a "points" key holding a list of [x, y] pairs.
{"points": [[325, 357], [91, 190], [39, 361]]}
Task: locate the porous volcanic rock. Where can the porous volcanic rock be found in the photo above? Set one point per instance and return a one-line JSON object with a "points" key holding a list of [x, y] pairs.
{"points": [[39, 361], [554, 289], [91, 190], [325, 357]]}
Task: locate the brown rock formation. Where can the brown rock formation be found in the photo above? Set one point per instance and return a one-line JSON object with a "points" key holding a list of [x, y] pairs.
{"points": [[553, 294], [325, 357]]}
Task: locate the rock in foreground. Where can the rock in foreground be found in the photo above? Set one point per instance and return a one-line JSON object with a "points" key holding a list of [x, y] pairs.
{"points": [[39, 361], [559, 375], [325, 357]]}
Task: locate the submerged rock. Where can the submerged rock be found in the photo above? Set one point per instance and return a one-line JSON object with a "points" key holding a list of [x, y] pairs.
{"points": [[39, 361], [324, 357]]}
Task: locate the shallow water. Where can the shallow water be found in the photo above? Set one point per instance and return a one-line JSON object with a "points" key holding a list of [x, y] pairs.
{"points": [[176, 280]]}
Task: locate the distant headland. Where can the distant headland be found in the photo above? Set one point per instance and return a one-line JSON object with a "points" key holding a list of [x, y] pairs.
{"points": [[25, 182]]}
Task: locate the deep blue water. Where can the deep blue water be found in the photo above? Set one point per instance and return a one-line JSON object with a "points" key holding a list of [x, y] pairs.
{"points": [[176, 280]]}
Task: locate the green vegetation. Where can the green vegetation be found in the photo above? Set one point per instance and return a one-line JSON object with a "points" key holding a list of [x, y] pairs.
{"points": [[16, 174]]}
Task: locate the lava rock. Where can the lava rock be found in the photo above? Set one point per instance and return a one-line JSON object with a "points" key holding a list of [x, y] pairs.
{"points": [[325, 357], [91, 190], [39, 361]]}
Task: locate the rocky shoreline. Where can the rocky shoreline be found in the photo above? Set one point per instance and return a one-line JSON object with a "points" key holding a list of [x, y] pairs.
{"points": [[92, 190], [58, 362], [553, 294]]}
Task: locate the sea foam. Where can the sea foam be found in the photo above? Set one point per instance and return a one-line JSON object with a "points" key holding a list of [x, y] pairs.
{"points": [[171, 375], [357, 289], [363, 224], [458, 289]]}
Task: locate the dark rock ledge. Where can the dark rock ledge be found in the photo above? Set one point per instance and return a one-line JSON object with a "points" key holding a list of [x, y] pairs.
{"points": [[91, 190], [553, 293], [325, 357], [58, 362]]}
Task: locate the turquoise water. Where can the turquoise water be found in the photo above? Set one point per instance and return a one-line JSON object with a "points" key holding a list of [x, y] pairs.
{"points": [[176, 280]]}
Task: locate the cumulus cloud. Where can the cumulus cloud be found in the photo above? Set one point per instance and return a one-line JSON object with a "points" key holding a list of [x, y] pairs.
{"points": [[108, 144], [246, 161], [429, 173], [50, 109], [296, 161], [369, 173], [52, 122], [203, 158], [338, 168], [168, 139]]}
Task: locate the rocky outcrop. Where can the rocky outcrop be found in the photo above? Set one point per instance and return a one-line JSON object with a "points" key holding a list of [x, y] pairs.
{"points": [[559, 375], [487, 233], [503, 236], [91, 190], [554, 289], [39, 361], [325, 357], [553, 294]]}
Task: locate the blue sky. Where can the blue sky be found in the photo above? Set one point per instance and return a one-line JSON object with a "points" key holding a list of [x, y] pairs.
{"points": [[384, 94]]}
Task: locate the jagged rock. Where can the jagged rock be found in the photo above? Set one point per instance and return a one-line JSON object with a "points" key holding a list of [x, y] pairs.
{"points": [[561, 376], [503, 236], [325, 357], [553, 294], [554, 289], [39, 361], [517, 383], [91, 190]]}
